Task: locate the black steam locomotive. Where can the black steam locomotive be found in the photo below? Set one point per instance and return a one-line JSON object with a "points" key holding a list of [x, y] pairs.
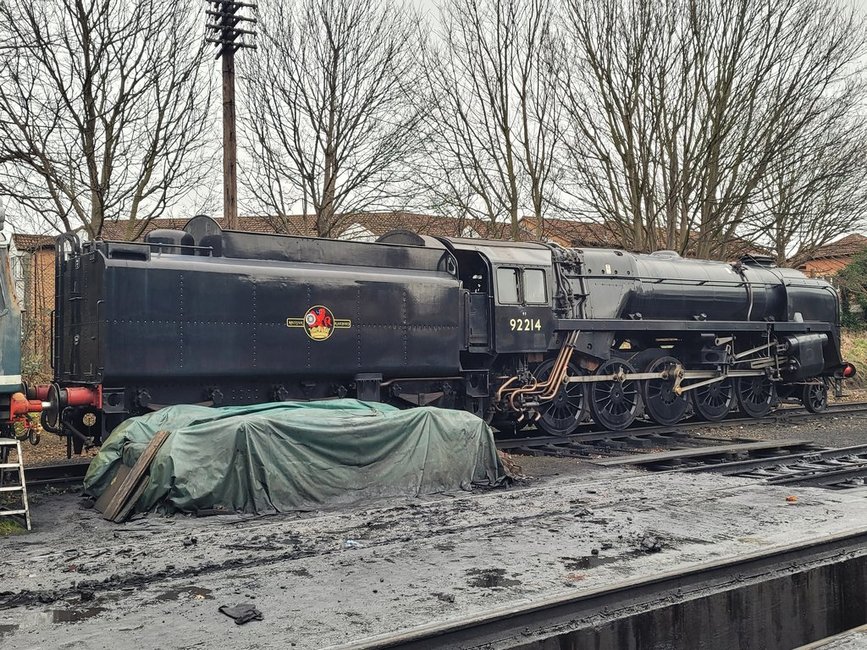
{"points": [[513, 332]]}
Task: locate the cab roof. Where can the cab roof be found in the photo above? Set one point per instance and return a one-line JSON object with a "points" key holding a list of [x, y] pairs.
{"points": [[503, 252]]}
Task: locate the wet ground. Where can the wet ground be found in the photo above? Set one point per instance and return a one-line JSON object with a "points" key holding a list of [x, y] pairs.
{"points": [[327, 578], [828, 430], [855, 639]]}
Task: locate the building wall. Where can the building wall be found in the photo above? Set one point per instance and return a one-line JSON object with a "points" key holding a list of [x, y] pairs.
{"points": [[38, 272], [826, 267]]}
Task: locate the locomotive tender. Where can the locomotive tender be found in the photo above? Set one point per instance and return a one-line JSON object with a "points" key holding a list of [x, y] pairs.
{"points": [[513, 332]]}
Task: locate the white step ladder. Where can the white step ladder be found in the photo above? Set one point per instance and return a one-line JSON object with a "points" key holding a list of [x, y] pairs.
{"points": [[6, 445]]}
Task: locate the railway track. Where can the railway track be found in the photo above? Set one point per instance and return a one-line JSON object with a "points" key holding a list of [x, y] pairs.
{"points": [[55, 474], [776, 462], [650, 434], [782, 462]]}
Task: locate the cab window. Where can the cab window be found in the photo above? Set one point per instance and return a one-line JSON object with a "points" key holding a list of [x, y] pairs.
{"points": [[535, 292], [507, 286]]}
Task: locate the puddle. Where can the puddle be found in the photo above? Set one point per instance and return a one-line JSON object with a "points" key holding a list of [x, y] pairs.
{"points": [[7, 629], [585, 562], [490, 578], [301, 573], [74, 615], [186, 593], [37, 619]]}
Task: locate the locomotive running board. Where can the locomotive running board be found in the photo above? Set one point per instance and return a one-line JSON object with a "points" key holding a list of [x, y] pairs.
{"points": [[569, 324]]}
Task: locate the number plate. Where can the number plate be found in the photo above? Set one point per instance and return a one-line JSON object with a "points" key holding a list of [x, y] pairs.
{"points": [[525, 325]]}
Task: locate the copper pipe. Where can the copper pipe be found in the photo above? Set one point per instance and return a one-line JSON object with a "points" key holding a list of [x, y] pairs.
{"points": [[554, 383], [503, 387], [529, 390], [549, 387], [555, 387]]}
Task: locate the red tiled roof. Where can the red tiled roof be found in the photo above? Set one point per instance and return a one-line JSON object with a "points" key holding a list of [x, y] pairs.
{"points": [[120, 230], [377, 223], [845, 247], [30, 243], [569, 232]]}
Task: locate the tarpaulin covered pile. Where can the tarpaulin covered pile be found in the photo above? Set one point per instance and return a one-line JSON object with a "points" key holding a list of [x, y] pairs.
{"points": [[294, 455]]}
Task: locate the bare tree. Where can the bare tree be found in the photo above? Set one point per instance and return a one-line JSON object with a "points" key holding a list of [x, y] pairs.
{"points": [[331, 124], [815, 193], [680, 109], [102, 110], [493, 111]]}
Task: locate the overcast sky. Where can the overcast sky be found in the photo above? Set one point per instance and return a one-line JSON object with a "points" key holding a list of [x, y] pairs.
{"points": [[432, 4]]}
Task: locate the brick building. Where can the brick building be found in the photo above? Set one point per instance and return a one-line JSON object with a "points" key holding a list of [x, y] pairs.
{"points": [[33, 271], [828, 260], [359, 227]]}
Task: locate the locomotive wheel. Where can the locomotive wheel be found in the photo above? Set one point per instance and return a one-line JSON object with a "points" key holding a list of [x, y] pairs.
{"points": [[645, 357], [561, 415], [614, 403], [755, 395], [815, 397], [714, 401], [663, 405]]}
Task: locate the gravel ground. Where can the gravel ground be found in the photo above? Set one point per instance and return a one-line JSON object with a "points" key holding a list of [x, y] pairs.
{"points": [[51, 449], [827, 430], [855, 639], [328, 578]]}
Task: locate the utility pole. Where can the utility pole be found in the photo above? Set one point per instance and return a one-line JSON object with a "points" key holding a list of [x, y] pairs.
{"points": [[222, 23]]}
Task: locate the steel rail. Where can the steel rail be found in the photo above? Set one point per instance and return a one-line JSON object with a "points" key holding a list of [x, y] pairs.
{"points": [[529, 621], [824, 478], [698, 454], [752, 464], [38, 475], [641, 429]]}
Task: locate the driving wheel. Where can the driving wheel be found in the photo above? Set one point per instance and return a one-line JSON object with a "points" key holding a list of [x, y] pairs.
{"points": [[756, 395], [663, 405], [614, 402]]}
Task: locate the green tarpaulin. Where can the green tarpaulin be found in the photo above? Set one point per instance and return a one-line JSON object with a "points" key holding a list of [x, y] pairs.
{"points": [[294, 455]]}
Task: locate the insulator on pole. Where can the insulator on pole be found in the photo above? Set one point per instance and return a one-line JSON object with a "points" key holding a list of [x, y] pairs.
{"points": [[222, 26]]}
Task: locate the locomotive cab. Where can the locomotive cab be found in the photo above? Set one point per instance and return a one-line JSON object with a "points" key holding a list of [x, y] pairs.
{"points": [[509, 285]]}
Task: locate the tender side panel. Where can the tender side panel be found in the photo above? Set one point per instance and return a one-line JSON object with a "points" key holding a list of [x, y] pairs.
{"points": [[221, 318]]}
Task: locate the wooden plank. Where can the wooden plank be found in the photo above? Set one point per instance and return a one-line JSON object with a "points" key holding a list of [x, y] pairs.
{"points": [[110, 492], [131, 482], [698, 452], [126, 511]]}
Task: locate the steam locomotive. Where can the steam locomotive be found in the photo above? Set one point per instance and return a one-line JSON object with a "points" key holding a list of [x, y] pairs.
{"points": [[513, 332]]}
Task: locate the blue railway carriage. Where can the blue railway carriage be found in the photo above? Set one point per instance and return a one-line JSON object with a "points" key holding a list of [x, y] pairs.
{"points": [[12, 410]]}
